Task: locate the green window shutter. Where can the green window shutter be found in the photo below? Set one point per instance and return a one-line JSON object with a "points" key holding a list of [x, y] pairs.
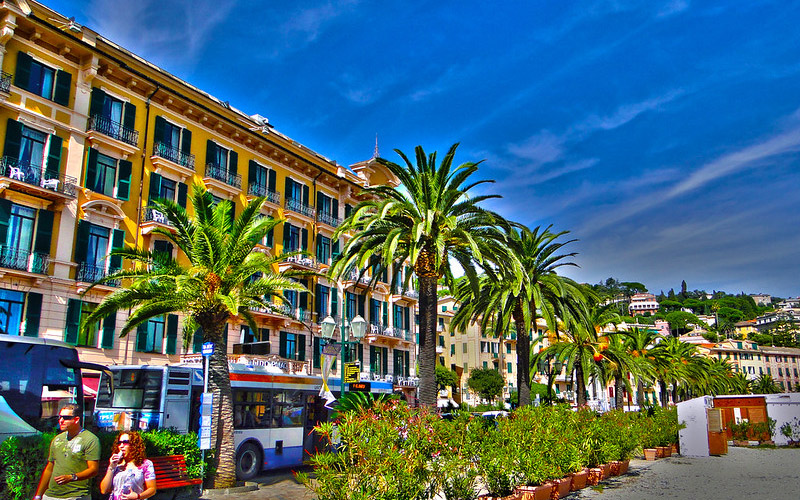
{"points": [[54, 157], [287, 230], [182, 192], [406, 367], [44, 232], [158, 131], [288, 186], [319, 201], [117, 241], [348, 209], [141, 337], [282, 345], [197, 341], [251, 172], [335, 251], [129, 119], [304, 239], [385, 356], [186, 141], [33, 311], [317, 353], [96, 102], [13, 139], [305, 194], [372, 359], [272, 184], [124, 182], [407, 318], [385, 314], [5, 214], [271, 235], [211, 152], [109, 329], [301, 347], [22, 79], [73, 321], [63, 86], [233, 163], [361, 354], [334, 301], [82, 241], [317, 289], [304, 301], [155, 186], [362, 299], [91, 169], [172, 333]]}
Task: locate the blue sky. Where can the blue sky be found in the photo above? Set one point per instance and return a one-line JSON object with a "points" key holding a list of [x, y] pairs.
{"points": [[665, 135]]}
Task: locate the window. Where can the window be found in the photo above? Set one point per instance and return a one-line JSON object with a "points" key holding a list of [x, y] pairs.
{"points": [[154, 336], [485, 365], [351, 305], [464, 348], [18, 240], [76, 311], [375, 312], [249, 337], [508, 348], [323, 249], [173, 143], [222, 164], [297, 197], [379, 360], [88, 337], [11, 308], [295, 238], [327, 209], [322, 298], [107, 175], [509, 367], [452, 349], [91, 248], [292, 346], [42, 80]]}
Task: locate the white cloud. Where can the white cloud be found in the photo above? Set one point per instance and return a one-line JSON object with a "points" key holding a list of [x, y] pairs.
{"points": [[543, 147], [673, 7], [626, 113]]}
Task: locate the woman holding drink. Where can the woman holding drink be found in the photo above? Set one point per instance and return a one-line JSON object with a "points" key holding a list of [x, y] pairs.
{"points": [[130, 476]]}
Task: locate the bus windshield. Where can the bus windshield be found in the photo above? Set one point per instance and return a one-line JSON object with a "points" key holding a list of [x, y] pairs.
{"points": [[34, 383]]}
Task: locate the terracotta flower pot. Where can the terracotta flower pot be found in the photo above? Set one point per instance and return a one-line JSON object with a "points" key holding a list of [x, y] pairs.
{"points": [[564, 485], [660, 453], [615, 465], [543, 491], [606, 470], [525, 492], [623, 466], [668, 451], [650, 453], [595, 475], [579, 480], [674, 448]]}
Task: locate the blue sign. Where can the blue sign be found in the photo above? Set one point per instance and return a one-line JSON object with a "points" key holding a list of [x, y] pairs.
{"points": [[208, 349]]}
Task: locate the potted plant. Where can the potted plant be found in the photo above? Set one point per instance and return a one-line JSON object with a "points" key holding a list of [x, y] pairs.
{"points": [[740, 432], [579, 479]]}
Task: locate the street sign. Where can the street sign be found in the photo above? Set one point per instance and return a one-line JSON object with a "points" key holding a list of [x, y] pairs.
{"points": [[352, 373], [361, 387], [208, 349], [331, 349], [206, 404]]}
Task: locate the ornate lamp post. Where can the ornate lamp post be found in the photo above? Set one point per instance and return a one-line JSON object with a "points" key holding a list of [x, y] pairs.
{"points": [[357, 327]]}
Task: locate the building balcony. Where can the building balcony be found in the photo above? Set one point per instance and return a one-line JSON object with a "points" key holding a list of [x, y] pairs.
{"points": [[5, 82], [328, 219], [255, 189], [218, 177], [37, 180], [406, 296], [299, 207], [88, 273], [24, 260], [389, 334], [153, 218], [301, 262], [180, 161], [352, 279], [112, 129]]}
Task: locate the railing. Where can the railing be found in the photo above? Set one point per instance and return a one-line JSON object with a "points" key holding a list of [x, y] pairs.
{"points": [[153, 215], [5, 82], [303, 261], [113, 129], [258, 361], [354, 277], [261, 190], [328, 219], [380, 329], [299, 207], [411, 294], [37, 175], [88, 273], [24, 260], [217, 172], [174, 155]]}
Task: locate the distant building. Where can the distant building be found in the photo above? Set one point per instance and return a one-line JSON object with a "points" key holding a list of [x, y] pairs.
{"points": [[642, 303], [762, 299], [790, 303], [783, 363], [745, 328]]}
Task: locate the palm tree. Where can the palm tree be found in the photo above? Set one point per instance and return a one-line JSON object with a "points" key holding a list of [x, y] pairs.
{"points": [[431, 218], [637, 342], [765, 384], [223, 278], [671, 359], [618, 363], [512, 294]]}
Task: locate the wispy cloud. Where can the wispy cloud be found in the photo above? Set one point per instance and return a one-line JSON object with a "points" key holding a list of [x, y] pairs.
{"points": [[625, 113], [672, 7], [304, 27], [542, 147]]}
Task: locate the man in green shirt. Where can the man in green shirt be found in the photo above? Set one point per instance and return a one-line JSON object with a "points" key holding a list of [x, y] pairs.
{"points": [[73, 460]]}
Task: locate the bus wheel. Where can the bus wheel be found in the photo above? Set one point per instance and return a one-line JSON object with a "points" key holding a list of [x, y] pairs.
{"points": [[248, 462]]}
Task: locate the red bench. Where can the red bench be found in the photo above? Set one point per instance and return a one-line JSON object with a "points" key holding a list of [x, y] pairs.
{"points": [[171, 472]]}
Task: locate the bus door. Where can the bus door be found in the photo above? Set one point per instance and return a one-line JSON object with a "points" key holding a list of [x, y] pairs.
{"points": [[315, 412]]}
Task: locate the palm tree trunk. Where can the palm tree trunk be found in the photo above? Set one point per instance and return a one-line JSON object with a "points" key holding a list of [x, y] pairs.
{"points": [[619, 401], [219, 384], [640, 393], [663, 390], [523, 358], [580, 384], [428, 300]]}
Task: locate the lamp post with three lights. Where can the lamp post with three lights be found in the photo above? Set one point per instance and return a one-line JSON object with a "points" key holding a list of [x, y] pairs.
{"points": [[357, 327]]}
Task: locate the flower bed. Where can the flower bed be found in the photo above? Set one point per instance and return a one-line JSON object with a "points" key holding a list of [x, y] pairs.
{"points": [[394, 452]]}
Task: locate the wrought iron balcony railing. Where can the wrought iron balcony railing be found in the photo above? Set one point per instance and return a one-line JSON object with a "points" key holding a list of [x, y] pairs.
{"points": [[5, 82], [89, 273], [37, 175], [174, 155], [113, 129], [262, 190], [217, 172], [24, 260], [299, 207], [153, 215], [328, 219]]}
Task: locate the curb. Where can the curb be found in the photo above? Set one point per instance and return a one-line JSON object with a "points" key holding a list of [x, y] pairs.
{"points": [[221, 492]]}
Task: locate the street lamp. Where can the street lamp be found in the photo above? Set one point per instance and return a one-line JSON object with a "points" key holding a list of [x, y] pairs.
{"points": [[357, 327]]}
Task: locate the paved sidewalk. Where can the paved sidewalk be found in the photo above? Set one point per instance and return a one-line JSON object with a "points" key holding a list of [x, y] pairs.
{"points": [[280, 485]]}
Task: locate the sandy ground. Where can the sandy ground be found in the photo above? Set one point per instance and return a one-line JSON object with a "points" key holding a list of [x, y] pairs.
{"points": [[744, 473]]}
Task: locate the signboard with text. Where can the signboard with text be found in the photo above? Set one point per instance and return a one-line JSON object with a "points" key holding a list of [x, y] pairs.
{"points": [[352, 373], [204, 438], [361, 387]]}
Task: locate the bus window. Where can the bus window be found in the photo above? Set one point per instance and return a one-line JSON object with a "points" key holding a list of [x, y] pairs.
{"points": [[287, 407], [251, 409]]}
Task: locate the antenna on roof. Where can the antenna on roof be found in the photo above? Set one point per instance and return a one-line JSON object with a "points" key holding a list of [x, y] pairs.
{"points": [[69, 24], [262, 126], [375, 154]]}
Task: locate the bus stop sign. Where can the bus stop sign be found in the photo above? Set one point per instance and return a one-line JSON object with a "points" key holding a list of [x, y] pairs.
{"points": [[208, 349], [352, 373]]}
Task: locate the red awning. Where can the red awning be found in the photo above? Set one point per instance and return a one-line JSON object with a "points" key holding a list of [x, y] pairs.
{"points": [[90, 385]]}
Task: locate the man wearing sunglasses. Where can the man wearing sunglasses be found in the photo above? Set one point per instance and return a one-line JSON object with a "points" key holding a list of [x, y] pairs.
{"points": [[73, 460]]}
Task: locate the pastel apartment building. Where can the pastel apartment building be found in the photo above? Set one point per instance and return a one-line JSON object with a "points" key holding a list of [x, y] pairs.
{"points": [[643, 303]]}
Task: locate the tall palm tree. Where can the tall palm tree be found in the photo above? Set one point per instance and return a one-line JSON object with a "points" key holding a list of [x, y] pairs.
{"points": [[431, 218], [638, 341], [671, 359], [765, 384], [518, 293], [218, 276]]}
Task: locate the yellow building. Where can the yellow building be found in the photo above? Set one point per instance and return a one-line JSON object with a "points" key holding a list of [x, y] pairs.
{"points": [[92, 133]]}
